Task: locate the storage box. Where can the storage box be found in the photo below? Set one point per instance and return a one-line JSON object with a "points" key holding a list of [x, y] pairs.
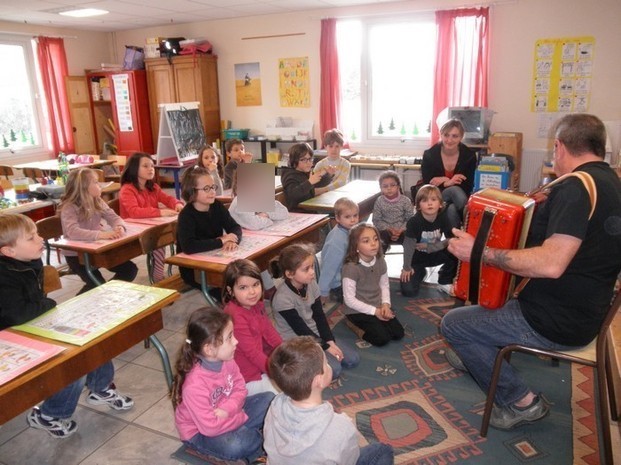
{"points": [[235, 133], [152, 47], [497, 179], [289, 129]]}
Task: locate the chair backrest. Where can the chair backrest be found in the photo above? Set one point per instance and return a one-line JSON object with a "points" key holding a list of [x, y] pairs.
{"points": [[100, 174], [281, 197], [50, 227], [6, 171], [157, 237], [33, 173], [602, 337], [51, 279], [115, 205]]}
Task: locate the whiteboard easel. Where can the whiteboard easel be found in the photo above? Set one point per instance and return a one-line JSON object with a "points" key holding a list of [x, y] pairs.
{"points": [[170, 149]]}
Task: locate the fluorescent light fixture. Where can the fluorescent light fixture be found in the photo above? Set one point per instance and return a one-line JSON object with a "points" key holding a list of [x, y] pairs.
{"points": [[83, 12]]}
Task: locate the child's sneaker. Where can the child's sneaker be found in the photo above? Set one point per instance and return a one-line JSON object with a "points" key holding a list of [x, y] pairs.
{"points": [[110, 397], [447, 289], [56, 427]]}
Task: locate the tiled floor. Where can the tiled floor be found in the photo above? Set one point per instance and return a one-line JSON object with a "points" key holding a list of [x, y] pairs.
{"points": [[144, 435]]}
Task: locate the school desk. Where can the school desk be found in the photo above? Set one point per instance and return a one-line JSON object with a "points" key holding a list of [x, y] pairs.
{"points": [[211, 273], [51, 165], [47, 378], [363, 193]]}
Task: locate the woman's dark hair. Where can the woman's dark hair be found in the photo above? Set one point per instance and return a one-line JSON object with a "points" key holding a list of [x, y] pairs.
{"points": [[290, 259], [188, 182], [205, 326], [351, 256], [130, 173], [235, 270], [297, 151]]}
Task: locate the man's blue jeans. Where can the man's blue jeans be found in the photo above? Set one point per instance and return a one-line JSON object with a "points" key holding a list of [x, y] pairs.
{"points": [[455, 199], [63, 403], [476, 334], [246, 442], [376, 454]]}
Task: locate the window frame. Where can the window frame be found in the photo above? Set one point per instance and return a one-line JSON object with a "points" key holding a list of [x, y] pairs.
{"points": [[28, 45]]}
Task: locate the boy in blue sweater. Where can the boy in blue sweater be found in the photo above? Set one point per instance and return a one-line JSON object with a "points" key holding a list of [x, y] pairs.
{"points": [[334, 248]]}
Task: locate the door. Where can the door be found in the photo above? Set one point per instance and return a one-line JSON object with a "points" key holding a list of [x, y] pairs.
{"points": [[80, 112]]}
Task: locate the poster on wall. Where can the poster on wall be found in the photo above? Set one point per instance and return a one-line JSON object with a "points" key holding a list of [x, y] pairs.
{"points": [[248, 84], [562, 73], [123, 105], [294, 82]]}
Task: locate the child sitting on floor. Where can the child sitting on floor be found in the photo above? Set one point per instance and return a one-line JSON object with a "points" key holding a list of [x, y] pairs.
{"points": [[300, 427]]}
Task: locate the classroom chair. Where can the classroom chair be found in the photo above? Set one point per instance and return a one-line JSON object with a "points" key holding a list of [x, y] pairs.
{"points": [[595, 355], [100, 174], [115, 205], [155, 238], [50, 228], [51, 279], [33, 173], [6, 171]]}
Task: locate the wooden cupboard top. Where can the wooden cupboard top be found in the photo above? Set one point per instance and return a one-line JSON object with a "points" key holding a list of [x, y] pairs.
{"points": [[180, 59]]}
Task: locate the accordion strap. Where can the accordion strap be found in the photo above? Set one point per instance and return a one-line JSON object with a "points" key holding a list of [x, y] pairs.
{"points": [[589, 185], [476, 255]]}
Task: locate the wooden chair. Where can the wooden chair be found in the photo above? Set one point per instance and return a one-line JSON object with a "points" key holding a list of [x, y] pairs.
{"points": [[50, 228], [51, 279], [100, 174], [115, 205], [33, 173], [6, 171], [155, 238], [595, 355]]}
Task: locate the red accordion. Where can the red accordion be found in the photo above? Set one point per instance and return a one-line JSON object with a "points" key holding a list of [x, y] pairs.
{"points": [[498, 219]]}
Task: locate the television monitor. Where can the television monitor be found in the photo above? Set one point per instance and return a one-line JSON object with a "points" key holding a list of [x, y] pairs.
{"points": [[476, 121]]}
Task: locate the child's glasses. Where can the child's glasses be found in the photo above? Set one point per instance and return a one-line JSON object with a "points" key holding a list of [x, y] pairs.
{"points": [[207, 188], [306, 159], [388, 186]]}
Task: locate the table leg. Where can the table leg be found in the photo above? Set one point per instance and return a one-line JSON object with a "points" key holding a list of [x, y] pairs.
{"points": [[165, 360], [89, 270], [177, 185], [205, 289]]}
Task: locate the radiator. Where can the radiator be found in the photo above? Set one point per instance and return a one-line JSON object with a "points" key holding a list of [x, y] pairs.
{"points": [[530, 171]]}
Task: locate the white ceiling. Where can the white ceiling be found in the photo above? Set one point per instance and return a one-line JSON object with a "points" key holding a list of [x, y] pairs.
{"points": [[133, 14]]}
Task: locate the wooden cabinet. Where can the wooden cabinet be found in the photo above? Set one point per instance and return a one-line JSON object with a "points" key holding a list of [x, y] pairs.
{"points": [[81, 115], [508, 143], [120, 97], [185, 79]]}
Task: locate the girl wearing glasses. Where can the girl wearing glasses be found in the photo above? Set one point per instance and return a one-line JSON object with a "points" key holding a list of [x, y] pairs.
{"points": [[299, 182], [204, 223]]}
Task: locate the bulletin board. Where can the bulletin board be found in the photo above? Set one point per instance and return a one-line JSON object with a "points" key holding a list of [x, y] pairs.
{"points": [[294, 80], [562, 73]]}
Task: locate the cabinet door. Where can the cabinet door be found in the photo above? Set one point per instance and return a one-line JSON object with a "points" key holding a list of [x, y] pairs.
{"points": [[80, 111], [161, 83]]}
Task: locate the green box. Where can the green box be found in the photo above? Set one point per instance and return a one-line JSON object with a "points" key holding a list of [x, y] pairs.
{"points": [[235, 133]]}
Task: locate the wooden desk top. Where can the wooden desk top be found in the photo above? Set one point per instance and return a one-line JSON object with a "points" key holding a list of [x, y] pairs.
{"points": [[360, 191], [45, 379], [52, 165]]}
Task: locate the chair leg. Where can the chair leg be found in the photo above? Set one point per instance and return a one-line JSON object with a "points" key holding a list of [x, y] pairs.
{"points": [[150, 270], [48, 252], [504, 354], [603, 412], [614, 414]]}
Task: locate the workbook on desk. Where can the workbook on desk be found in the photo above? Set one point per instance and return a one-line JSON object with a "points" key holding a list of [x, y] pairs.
{"points": [[152, 221], [288, 227], [87, 316], [19, 354], [250, 244], [131, 230]]}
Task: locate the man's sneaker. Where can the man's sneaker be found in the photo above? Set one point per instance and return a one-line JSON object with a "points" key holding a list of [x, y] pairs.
{"points": [[56, 427], [453, 359], [447, 289], [506, 418], [110, 397]]}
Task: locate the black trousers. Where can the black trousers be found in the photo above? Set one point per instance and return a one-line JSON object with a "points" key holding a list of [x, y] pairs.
{"points": [[376, 331]]}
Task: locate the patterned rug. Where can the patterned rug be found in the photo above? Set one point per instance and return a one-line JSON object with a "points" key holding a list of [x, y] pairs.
{"points": [[405, 394]]}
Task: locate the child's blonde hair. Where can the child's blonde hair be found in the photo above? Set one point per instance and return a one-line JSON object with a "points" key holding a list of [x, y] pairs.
{"points": [[424, 192], [354, 236], [76, 193], [344, 204], [13, 226], [235, 270], [290, 259], [205, 326]]}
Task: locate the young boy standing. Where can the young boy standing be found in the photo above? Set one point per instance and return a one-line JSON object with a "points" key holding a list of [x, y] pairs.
{"points": [[21, 300], [236, 153], [423, 245], [300, 427], [333, 142], [334, 249]]}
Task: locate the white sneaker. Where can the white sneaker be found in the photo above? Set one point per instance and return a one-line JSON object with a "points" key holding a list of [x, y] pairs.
{"points": [[447, 289]]}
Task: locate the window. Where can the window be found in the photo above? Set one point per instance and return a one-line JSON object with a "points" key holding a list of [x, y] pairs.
{"points": [[19, 110], [386, 70]]}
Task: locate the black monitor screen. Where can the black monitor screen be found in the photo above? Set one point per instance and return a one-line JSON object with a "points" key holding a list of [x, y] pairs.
{"points": [[471, 119]]}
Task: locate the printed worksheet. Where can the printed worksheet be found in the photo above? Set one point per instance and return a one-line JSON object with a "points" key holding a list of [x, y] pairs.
{"points": [[87, 316], [19, 354], [292, 225], [131, 230], [249, 245], [152, 221]]}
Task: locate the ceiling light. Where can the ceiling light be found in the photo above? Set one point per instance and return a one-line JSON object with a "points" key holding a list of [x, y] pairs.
{"points": [[83, 12]]}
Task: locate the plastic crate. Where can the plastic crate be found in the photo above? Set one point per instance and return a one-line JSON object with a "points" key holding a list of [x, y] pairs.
{"points": [[235, 133]]}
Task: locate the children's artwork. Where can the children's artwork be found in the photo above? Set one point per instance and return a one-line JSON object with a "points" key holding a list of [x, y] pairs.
{"points": [[562, 73], [294, 82], [292, 225], [249, 245], [248, 84], [19, 354], [87, 316]]}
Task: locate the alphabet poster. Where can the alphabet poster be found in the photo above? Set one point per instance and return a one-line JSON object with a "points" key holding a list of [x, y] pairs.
{"points": [[562, 73], [294, 82]]}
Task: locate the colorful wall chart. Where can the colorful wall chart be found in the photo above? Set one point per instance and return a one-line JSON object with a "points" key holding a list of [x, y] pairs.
{"points": [[294, 82], [562, 74]]}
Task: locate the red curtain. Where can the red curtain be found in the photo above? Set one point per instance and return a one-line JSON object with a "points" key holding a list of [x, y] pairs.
{"points": [[462, 60], [330, 88], [53, 69]]}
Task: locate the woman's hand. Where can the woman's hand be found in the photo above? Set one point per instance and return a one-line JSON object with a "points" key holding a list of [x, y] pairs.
{"points": [[406, 275], [438, 181], [456, 180], [335, 350]]}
